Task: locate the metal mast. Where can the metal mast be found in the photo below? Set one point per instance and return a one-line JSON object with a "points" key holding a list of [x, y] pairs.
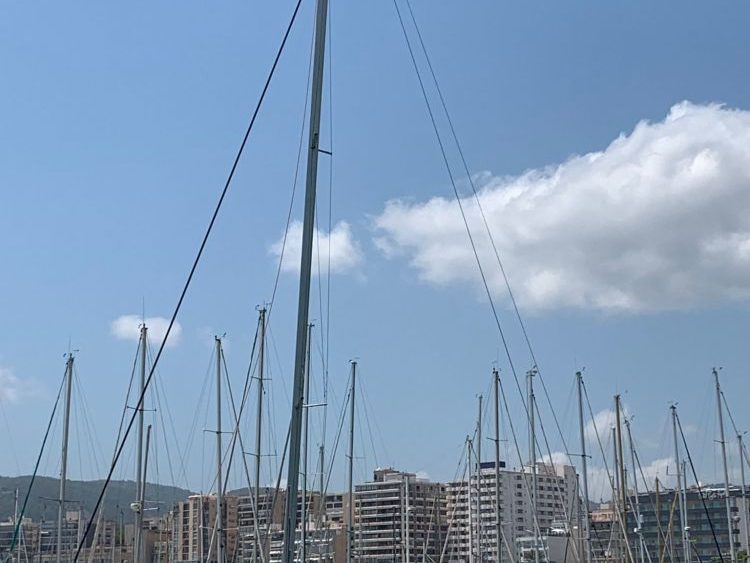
{"points": [[407, 527], [584, 468], [142, 498], [744, 493], [532, 454], [498, 517], [685, 543], [732, 553], [479, 482], [641, 547], [138, 516], [616, 492], [17, 524], [219, 489], [350, 476], [623, 481], [290, 513], [258, 429], [469, 506], [64, 458], [303, 518]]}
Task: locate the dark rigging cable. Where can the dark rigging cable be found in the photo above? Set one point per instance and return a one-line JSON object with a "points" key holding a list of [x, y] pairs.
{"points": [[485, 222], [461, 208], [193, 269], [700, 490], [36, 468]]}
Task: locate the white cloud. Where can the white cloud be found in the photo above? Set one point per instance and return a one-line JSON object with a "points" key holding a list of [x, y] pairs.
{"points": [[659, 219], [346, 253], [556, 459], [128, 327], [600, 487], [13, 388], [603, 422]]}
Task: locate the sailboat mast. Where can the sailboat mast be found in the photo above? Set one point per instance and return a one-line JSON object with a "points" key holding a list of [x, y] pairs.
{"points": [[303, 310], [64, 458], [498, 517], [616, 493], [678, 489], [469, 506], [657, 517], [303, 548], [635, 493], [532, 454], [621, 468], [219, 491], [138, 548], [584, 467], [258, 428], [744, 493], [479, 482], [350, 475], [732, 553], [142, 498], [18, 526]]}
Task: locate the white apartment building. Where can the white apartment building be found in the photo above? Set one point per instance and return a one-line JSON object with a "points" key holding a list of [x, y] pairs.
{"points": [[472, 527]]}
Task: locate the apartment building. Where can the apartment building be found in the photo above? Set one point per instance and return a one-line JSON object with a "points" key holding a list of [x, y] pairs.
{"points": [[706, 521], [472, 513], [193, 527], [398, 517]]}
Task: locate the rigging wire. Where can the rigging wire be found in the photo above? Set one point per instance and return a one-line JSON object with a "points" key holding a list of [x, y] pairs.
{"points": [[652, 505], [487, 228], [700, 489], [518, 452], [17, 527], [737, 433], [464, 218], [193, 268]]}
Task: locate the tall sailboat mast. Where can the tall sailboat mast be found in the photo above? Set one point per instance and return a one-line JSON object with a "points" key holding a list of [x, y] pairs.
{"points": [[622, 479], [350, 473], [744, 492], [258, 429], [138, 548], [303, 310], [305, 437], [64, 456], [469, 506], [638, 531], [219, 488], [479, 482], [532, 455], [728, 507], [584, 468], [498, 512], [678, 489]]}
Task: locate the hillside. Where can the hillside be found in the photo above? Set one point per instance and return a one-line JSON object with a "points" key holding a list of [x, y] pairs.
{"points": [[43, 503]]}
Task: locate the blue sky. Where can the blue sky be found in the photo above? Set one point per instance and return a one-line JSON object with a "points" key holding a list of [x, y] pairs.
{"points": [[119, 124]]}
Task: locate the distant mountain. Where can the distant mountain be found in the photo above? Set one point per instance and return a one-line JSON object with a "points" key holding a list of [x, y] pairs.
{"points": [[43, 499]]}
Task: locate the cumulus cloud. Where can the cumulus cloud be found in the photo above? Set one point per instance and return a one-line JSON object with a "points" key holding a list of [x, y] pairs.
{"points": [[346, 253], [13, 388], [128, 327], [658, 220], [603, 422], [599, 479]]}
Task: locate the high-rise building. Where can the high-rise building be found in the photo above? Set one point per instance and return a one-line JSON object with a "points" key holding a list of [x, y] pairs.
{"points": [[472, 512], [399, 518], [194, 524], [706, 523]]}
